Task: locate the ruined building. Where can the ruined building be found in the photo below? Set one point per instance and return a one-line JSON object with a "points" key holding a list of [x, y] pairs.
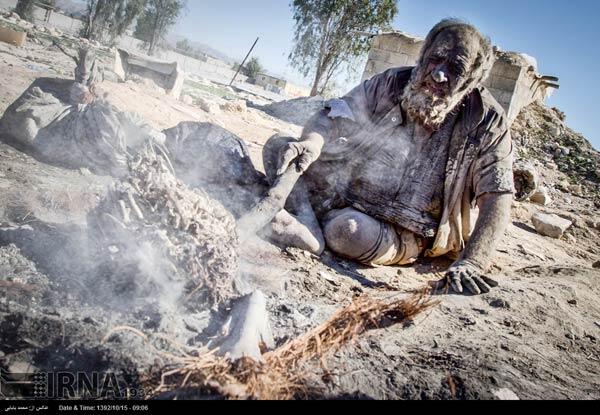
{"points": [[514, 81], [167, 75]]}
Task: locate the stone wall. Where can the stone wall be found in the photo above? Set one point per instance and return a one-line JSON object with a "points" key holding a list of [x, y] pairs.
{"points": [[390, 50]]}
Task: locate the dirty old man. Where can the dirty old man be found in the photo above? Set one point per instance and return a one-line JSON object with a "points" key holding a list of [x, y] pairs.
{"points": [[394, 170]]}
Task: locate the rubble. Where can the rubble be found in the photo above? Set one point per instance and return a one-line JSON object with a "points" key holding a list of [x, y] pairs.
{"points": [[526, 180], [577, 162], [208, 106], [235, 106], [550, 225], [541, 197]]}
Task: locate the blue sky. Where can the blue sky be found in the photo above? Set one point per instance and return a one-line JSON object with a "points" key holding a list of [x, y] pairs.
{"points": [[564, 36]]}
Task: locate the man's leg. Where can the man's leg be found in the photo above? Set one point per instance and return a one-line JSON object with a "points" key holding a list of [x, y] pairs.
{"points": [[361, 238], [297, 225]]}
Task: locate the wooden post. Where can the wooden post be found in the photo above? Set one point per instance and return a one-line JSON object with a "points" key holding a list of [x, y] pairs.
{"points": [[243, 62]]}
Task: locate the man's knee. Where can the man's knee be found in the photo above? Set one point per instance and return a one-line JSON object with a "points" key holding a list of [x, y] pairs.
{"points": [[353, 234]]}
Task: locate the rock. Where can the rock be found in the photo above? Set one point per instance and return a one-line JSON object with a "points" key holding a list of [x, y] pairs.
{"points": [[526, 180], [596, 265], [506, 395], [572, 302], [208, 106], [576, 220], [235, 106], [563, 185], [499, 303], [541, 197], [555, 131], [468, 321], [329, 278], [110, 76], [550, 225], [571, 239], [576, 189], [562, 152], [592, 224], [186, 99]]}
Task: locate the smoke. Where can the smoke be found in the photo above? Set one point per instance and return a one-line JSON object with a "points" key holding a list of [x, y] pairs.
{"points": [[153, 246]]}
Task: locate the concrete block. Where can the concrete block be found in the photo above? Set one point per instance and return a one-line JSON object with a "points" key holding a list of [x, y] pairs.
{"points": [[504, 84], [380, 55], [12, 36], [541, 197], [551, 225]]}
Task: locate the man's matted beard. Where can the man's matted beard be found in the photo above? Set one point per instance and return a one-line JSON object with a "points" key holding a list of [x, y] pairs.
{"points": [[427, 109]]}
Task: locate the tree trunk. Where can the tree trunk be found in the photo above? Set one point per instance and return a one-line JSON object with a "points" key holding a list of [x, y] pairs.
{"points": [[321, 69], [315, 88], [25, 9], [155, 35]]}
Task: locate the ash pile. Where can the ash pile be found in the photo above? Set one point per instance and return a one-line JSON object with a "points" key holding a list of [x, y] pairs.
{"points": [[117, 249]]}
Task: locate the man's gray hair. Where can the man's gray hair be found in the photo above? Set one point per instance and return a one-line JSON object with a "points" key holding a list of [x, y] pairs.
{"points": [[485, 56]]}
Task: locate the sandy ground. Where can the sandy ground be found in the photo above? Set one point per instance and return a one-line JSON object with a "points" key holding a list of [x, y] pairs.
{"points": [[536, 336]]}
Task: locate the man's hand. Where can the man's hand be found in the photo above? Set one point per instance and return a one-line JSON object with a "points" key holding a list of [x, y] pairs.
{"points": [[467, 275], [303, 153]]}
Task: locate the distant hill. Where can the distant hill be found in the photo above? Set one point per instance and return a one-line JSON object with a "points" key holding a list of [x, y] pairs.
{"points": [[204, 48]]}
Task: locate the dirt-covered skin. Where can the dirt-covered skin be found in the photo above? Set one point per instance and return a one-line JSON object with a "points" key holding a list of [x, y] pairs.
{"points": [[536, 335]]}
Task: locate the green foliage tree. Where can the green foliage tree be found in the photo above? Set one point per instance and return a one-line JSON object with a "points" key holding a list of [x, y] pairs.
{"points": [[158, 16], [108, 19], [253, 68], [329, 33], [185, 46]]}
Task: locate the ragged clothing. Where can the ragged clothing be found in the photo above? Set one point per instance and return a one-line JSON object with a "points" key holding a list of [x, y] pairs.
{"points": [[427, 185]]}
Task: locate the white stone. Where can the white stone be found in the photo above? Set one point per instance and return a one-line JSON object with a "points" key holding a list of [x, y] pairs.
{"points": [[576, 189], [235, 106], [550, 225], [188, 100], [506, 395], [541, 197], [208, 106]]}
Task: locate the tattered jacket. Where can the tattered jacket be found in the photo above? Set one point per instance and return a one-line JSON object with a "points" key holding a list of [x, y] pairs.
{"points": [[479, 161]]}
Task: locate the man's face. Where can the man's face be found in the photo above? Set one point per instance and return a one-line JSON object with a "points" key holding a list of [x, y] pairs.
{"points": [[448, 62], [443, 79]]}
